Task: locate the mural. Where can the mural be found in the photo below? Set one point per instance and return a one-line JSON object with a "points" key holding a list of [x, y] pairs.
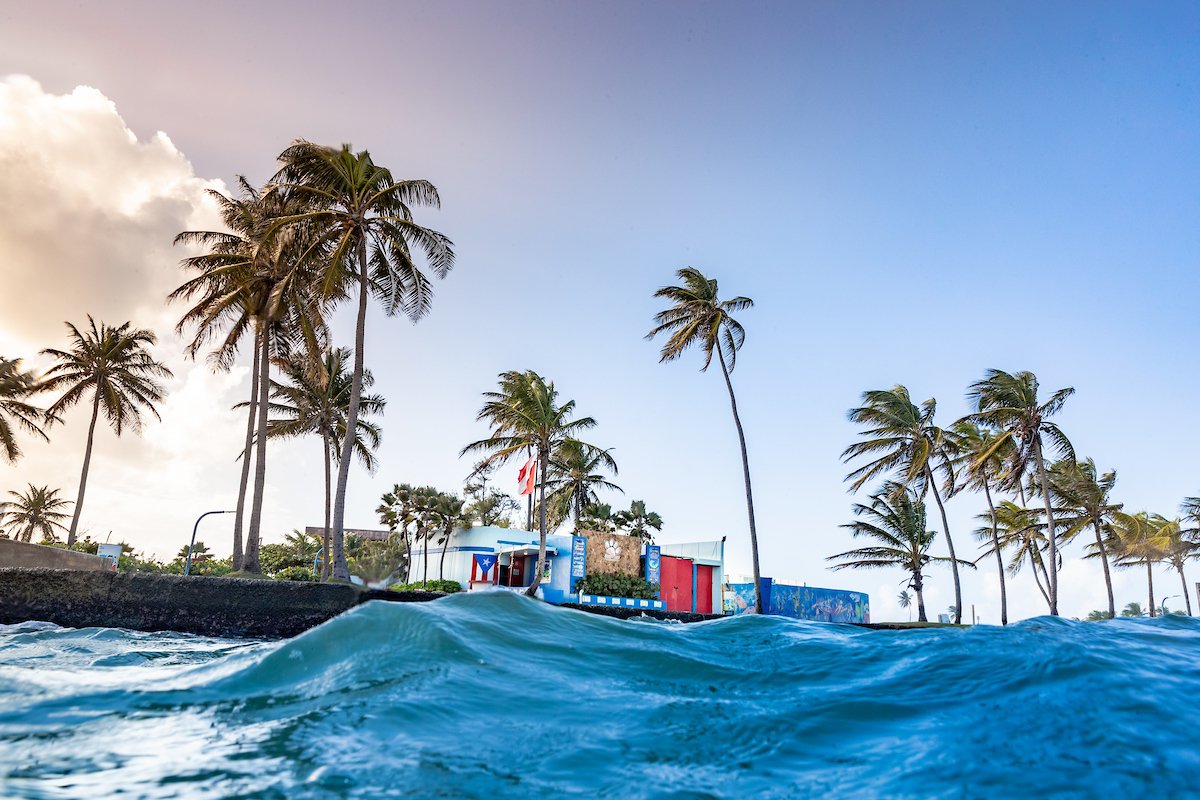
{"points": [[800, 602]]}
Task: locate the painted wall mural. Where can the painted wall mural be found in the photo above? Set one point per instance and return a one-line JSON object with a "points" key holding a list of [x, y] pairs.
{"points": [[800, 602]]}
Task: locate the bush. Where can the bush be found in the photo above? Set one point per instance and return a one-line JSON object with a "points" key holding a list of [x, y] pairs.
{"points": [[295, 574], [613, 584], [449, 587]]}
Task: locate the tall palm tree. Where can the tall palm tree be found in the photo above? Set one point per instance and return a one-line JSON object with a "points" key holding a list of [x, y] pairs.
{"points": [[639, 522], [526, 416], [38, 510], [902, 440], [1009, 404], [1083, 500], [576, 472], [1021, 533], [1177, 549], [250, 281], [116, 368], [1140, 539], [698, 317], [16, 386], [363, 235], [317, 401], [895, 520], [968, 442]]}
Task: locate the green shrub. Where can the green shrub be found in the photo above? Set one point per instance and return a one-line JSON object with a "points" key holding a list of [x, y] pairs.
{"points": [[613, 584], [295, 574], [449, 587]]}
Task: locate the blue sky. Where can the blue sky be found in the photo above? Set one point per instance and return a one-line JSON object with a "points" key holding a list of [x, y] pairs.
{"points": [[911, 193]]}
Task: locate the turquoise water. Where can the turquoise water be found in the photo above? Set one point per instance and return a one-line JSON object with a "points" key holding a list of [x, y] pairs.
{"points": [[494, 695]]}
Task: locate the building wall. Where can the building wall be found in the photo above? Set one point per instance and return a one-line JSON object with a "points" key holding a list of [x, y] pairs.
{"points": [[803, 602], [710, 553], [34, 556], [465, 543]]}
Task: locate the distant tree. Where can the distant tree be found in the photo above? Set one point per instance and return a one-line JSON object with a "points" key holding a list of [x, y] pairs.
{"points": [[38, 510], [1133, 610], [598, 517], [1084, 500], [1097, 616], [16, 387], [638, 521], [577, 470], [200, 552], [1177, 550], [905, 600], [490, 507], [1140, 539], [115, 367]]}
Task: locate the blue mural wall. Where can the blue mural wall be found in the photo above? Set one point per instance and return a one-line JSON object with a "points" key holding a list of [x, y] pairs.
{"points": [[800, 602]]}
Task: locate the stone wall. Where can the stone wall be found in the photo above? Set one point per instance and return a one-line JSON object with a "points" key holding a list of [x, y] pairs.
{"points": [[613, 552], [36, 556]]}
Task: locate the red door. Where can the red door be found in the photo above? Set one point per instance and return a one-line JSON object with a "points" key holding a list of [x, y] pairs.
{"points": [[677, 583], [704, 588]]}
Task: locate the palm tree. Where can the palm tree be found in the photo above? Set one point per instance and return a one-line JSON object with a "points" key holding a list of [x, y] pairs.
{"points": [[895, 519], [1083, 500], [598, 517], [638, 521], [1141, 539], [1133, 610], [1009, 404], [699, 317], [576, 472], [250, 280], [902, 440], [1176, 551], [968, 442], [1021, 532], [449, 512], [114, 365], [38, 510], [15, 386], [905, 601], [526, 417], [317, 401], [363, 235]]}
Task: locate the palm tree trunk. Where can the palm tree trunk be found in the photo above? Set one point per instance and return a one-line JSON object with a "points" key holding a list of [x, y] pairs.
{"points": [[1051, 534], [544, 458], [999, 557], [949, 543], [920, 604], [425, 560], [251, 413], [326, 456], [254, 535], [442, 562], [1034, 561], [87, 463], [1112, 606], [340, 569], [1183, 580], [1150, 584], [758, 601]]}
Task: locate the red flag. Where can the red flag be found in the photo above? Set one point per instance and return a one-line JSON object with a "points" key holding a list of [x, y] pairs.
{"points": [[530, 479], [525, 477]]}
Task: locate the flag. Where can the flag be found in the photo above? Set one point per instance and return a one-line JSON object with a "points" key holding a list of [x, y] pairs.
{"points": [[525, 477]]}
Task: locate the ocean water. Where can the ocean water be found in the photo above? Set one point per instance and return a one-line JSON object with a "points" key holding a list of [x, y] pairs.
{"points": [[492, 695]]}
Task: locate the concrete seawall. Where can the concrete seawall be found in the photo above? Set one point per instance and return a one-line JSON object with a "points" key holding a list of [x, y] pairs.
{"points": [[36, 556]]}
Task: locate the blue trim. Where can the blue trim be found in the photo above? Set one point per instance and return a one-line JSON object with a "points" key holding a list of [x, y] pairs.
{"points": [[626, 602], [694, 586], [531, 541]]}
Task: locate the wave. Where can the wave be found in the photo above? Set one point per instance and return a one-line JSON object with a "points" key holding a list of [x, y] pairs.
{"points": [[492, 694]]}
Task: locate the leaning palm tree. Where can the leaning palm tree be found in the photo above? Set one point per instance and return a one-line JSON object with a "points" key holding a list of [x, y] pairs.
{"points": [[1009, 404], [1082, 498], [895, 520], [1176, 551], [1021, 533], [968, 443], [576, 472], [16, 386], [39, 510], [1140, 539], [699, 317], [363, 236], [115, 367], [526, 416], [639, 522], [316, 400], [905, 600], [901, 440]]}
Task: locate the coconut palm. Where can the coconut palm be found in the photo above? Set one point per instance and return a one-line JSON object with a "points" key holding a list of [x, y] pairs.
{"points": [[638, 521], [39, 510], [895, 519], [576, 472], [249, 280], [363, 236], [1141, 539], [448, 510], [1009, 404], [901, 440], [699, 317], [527, 417], [1021, 533], [317, 401], [1082, 500], [1177, 549], [598, 517], [982, 466], [905, 600], [115, 367], [16, 386], [1133, 610]]}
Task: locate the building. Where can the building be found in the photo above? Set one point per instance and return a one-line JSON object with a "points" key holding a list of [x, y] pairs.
{"points": [[800, 602]]}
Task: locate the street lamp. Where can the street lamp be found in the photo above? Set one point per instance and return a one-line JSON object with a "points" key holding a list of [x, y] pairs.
{"points": [[187, 566], [1162, 604]]}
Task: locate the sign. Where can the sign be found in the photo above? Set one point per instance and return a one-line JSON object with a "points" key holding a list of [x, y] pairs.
{"points": [[485, 561], [578, 557], [546, 571], [111, 553], [653, 564]]}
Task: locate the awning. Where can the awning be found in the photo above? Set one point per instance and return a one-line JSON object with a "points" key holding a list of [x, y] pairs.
{"points": [[525, 550]]}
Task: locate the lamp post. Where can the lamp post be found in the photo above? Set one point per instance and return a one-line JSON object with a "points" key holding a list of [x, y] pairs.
{"points": [[1162, 604], [187, 566]]}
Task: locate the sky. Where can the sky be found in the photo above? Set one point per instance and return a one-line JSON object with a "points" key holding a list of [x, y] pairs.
{"points": [[911, 193]]}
